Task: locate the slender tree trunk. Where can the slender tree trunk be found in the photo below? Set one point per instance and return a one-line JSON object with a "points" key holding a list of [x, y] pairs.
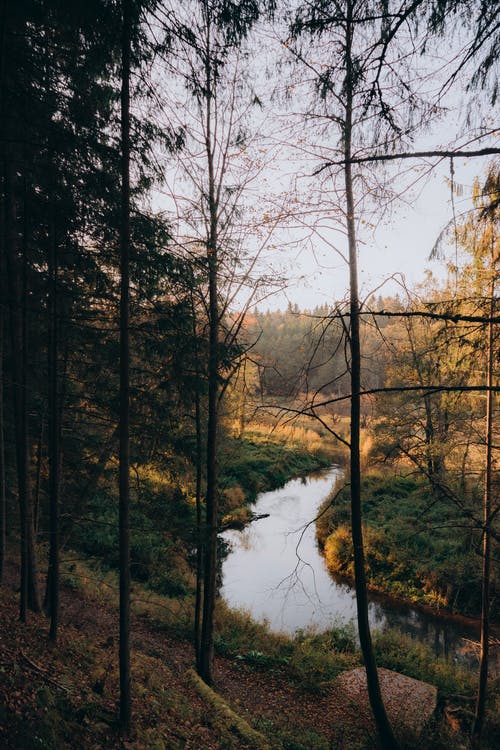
{"points": [[3, 289], [477, 727], [16, 272], [242, 403], [211, 497], [199, 528], [383, 726], [17, 283], [34, 592], [16, 331], [39, 456], [124, 468], [3, 318], [3, 499], [199, 541], [54, 433], [430, 432]]}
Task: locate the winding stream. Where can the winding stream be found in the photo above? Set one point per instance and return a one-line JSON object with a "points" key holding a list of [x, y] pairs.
{"points": [[275, 571]]}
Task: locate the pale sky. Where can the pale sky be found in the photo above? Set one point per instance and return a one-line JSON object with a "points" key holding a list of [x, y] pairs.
{"points": [[393, 249], [397, 253]]}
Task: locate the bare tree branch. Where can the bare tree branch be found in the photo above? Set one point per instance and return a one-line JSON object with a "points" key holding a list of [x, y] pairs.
{"points": [[438, 153]]}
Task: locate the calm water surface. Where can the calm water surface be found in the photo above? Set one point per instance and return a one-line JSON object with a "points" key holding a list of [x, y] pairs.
{"points": [[276, 572]]}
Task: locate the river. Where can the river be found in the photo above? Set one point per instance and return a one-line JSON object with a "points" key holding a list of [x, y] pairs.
{"points": [[276, 572]]}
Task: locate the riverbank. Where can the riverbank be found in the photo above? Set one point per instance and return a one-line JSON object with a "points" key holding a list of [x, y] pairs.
{"points": [[257, 462], [465, 622], [284, 688], [163, 506], [416, 550], [276, 572]]}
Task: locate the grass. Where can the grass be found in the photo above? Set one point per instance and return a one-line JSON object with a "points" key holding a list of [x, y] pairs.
{"points": [[308, 660], [401, 653], [299, 432], [417, 547], [256, 463], [163, 516]]}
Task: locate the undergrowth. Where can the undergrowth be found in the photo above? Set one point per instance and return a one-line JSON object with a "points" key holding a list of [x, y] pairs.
{"points": [[308, 660]]}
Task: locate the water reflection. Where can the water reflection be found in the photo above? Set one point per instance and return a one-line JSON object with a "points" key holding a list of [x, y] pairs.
{"points": [[275, 571]]}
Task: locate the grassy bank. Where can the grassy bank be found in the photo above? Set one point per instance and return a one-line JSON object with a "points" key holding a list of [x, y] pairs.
{"points": [[307, 658], [163, 512], [258, 462], [417, 547], [305, 664], [296, 670], [281, 686]]}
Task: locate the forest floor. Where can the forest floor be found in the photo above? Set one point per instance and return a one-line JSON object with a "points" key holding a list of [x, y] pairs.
{"points": [[65, 695]]}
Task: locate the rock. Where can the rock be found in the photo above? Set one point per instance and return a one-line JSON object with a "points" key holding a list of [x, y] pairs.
{"points": [[409, 703]]}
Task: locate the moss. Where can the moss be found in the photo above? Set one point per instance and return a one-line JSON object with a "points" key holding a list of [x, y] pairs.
{"points": [[226, 716]]}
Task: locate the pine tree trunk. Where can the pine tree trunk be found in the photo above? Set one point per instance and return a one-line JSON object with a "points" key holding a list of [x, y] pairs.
{"points": [[3, 318], [38, 478], [3, 288], [3, 499], [3, 284], [383, 726], [124, 458], [199, 543], [11, 128], [16, 335], [34, 591], [54, 433], [211, 497], [199, 519]]}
